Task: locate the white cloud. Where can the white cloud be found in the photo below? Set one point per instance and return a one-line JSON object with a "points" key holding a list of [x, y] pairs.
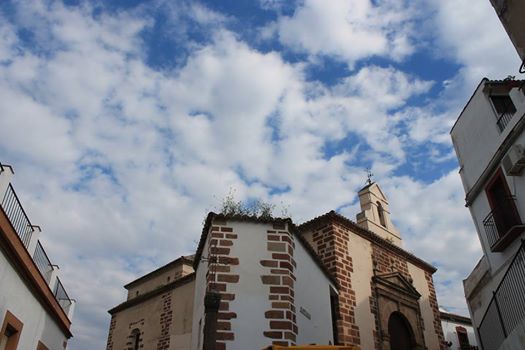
{"points": [[349, 30], [475, 39], [439, 228]]}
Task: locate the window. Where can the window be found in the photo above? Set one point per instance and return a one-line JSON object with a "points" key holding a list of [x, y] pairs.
{"points": [[10, 332], [135, 339], [505, 109], [334, 313], [462, 338]]}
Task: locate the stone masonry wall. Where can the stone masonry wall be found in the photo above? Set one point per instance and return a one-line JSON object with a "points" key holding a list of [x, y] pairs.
{"points": [[384, 262], [166, 319], [280, 279], [435, 309], [330, 242], [110, 336]]}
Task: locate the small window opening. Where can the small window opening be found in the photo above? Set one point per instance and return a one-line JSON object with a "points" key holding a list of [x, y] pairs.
{"points": [[135, 339], [169, 278], [10, 332], [334, 311]]}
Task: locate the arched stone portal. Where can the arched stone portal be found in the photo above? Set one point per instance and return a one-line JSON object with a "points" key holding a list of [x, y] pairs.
{"points": [[400, 333], [397, 312]]}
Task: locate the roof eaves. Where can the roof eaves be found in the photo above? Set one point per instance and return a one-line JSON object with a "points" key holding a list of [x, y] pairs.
{"points": [[188, 260]]}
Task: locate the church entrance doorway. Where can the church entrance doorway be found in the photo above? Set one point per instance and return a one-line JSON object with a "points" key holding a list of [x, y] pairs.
{"points": [[400, 332]]}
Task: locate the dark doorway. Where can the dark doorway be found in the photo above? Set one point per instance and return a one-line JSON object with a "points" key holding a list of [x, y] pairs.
{"points": [[500, 200], [400, 332]]}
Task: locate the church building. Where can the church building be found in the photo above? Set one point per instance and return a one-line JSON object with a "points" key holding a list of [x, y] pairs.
{"points": [[258, 281]]}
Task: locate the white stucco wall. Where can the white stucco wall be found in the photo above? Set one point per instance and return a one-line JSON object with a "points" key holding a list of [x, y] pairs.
{"points": [[476, 135], [360, 251], [16, 297], [480, 208], [516, 339], [450, 334], [421, 284], [477, 139], [251, 301], [312, 292]]}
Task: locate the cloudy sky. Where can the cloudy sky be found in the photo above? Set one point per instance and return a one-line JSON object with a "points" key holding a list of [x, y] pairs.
{"points": [[127, 121]]}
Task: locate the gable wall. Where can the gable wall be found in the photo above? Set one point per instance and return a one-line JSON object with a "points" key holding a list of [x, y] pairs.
{"points": [[352, 260], [169, 275], [164, 321]]}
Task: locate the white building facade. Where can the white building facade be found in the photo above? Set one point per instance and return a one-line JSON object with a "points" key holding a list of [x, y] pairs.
{"points": [[35, 309], [489, 142], [273, 288], [458, 332]]}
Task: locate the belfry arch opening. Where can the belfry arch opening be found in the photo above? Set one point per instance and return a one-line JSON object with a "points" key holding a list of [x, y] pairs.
{"points": [[381, 213], [400, 332]]}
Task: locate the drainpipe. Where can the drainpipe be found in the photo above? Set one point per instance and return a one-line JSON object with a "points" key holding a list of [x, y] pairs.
{"points": [[212, 301]]}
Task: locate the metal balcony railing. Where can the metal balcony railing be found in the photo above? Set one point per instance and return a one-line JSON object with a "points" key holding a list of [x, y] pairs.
{"points": [[501, 220], [507, 306], [504, 119], [42, 261], [61, 295], [16, 215], [24, 229]]}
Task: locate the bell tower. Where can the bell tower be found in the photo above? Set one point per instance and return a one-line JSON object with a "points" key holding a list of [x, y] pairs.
{"points": [[375, 213]]}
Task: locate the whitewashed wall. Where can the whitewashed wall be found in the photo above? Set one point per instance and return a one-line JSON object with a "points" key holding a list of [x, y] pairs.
{"points": [[251, 296], [476, 136], [449, 331], [15, 297], [312, 293]]}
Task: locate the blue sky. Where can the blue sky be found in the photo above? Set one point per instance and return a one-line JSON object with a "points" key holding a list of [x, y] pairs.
{"points": [[132, 119]]}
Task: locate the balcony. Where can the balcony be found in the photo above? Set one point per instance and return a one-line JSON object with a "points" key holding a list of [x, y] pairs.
{"points": [[503, 225], [506, 309], [504, 119], [28, 235]]}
